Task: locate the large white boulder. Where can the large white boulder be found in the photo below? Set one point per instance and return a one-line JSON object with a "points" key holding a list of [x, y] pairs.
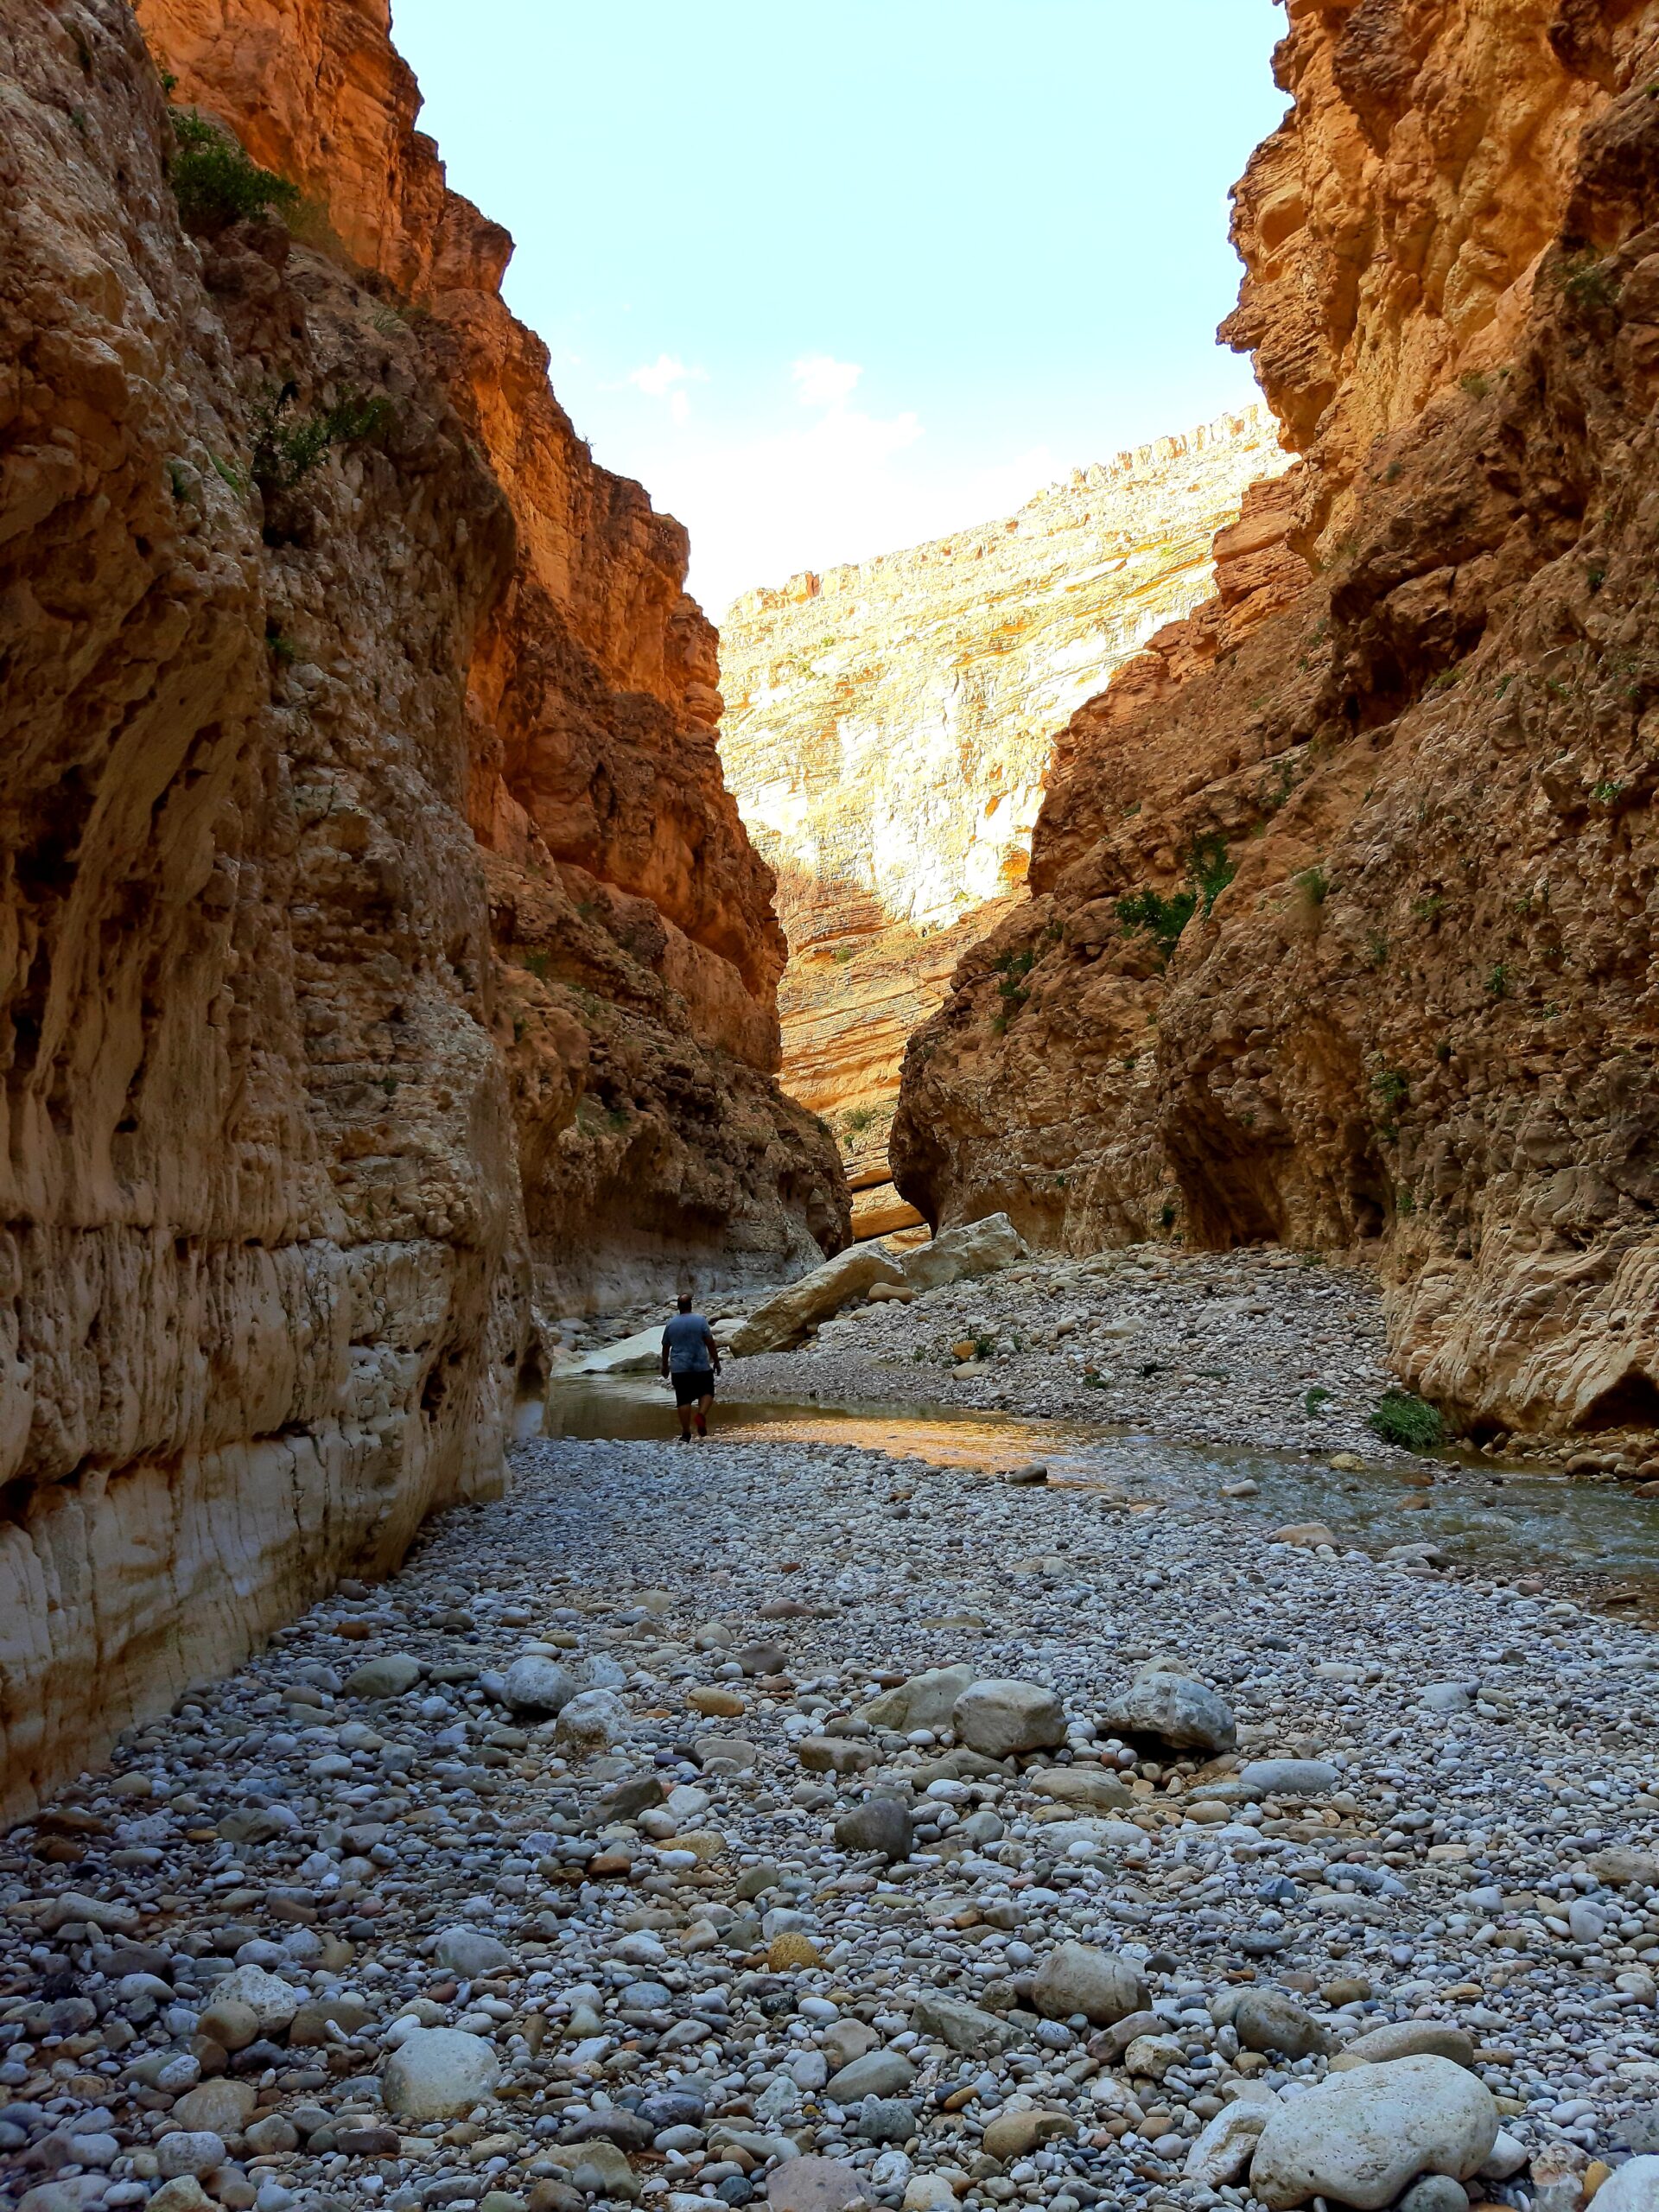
{"points": [[438, 2072], [1633, 2187], [785, 1316], [636, 1355], [1361, 2138], [978, 1248]]}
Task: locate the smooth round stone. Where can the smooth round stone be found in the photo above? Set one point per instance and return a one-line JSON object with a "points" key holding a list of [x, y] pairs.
{"points": [[878, 2074], [272, 2001], [813, 2185], [879, 1824], [1081, 1978], [1003, 1716], [470, 1952], [222, 2106], [1364, 2136], [887, 2119], [535, 1684], [192, 2150], [1408, 2039], [1289, 1777], [390, 1677], [1435, 2193], [438, 2073], [1267, 2020], [1012, 2135]]}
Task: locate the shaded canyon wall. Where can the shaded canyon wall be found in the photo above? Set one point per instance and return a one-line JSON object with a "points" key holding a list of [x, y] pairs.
{"points": [[292, 977], [890, 724], [636, 948], [1346, 935]]}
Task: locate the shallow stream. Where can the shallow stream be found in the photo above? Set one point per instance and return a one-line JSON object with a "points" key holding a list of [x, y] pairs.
{"points": [[1503, 1518]]}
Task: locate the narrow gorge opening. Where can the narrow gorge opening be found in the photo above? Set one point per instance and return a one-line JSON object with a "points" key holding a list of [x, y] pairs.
{"points": [[858, 1413]]}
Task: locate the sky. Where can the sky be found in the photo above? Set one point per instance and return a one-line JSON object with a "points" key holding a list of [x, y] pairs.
{"points": [[830, 279]]}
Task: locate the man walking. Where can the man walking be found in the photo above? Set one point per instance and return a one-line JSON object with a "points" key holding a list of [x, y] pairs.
{"points": [[691, 1360]]}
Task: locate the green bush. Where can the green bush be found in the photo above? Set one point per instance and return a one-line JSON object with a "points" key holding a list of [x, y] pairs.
{"points": [[1162, 919], [288, 444], [216, 184], [1209, 868], [1400, 1417], [1582, 279]]}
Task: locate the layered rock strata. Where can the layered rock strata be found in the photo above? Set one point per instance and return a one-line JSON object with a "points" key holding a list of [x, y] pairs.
{"points": [[637, 950], [890, 725], [272, 652], [1345, 935]]}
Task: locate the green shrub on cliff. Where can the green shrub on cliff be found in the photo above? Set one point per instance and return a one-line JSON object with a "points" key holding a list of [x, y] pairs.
{"points": [[215, 181], [1162, 919], [287, 444]]}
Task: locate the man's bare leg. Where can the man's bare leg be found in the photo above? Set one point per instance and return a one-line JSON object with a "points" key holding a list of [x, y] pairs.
{"points": [[703, 1407]]}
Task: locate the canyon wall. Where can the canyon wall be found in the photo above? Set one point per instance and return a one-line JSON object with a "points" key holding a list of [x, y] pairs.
{"points": [[362, 835], [637, 950], [888, 729], [1345, 935]]}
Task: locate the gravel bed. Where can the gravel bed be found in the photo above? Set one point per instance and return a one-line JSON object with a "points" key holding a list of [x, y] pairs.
{"points": [[1246, 1347], [621, 1954]]}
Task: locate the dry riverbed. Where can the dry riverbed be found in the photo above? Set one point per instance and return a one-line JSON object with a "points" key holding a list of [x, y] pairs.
{"points": [[717, 1931], [1241, 1347]]}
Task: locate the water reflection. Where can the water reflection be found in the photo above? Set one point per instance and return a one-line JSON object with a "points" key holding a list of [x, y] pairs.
{"points": [[1506, 1518]]}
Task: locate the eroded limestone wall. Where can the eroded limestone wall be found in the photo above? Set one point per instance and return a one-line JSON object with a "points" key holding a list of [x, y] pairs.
{"points": [[637, 947], [1411, 815], [263, 1292], [362, 842], [889, 729]]}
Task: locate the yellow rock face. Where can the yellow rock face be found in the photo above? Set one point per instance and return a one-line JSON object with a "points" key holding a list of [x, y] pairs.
{"points": [[888, 730]]}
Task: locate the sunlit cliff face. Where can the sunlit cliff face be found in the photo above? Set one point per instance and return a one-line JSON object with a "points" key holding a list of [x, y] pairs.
{"points": [[889, 729]]}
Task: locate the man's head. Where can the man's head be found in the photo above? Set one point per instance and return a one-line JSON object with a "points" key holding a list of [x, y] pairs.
{"points": [[685, 1301]]}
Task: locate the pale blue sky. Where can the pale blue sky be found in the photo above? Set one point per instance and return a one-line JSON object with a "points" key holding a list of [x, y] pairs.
{"points": [[829, 279]]}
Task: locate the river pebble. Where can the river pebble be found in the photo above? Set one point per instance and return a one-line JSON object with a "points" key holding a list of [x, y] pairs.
{"points": [[335, 1933]]}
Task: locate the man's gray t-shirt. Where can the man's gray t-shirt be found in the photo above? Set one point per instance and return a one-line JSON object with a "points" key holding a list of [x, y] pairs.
{"points": [[686, 1342]]}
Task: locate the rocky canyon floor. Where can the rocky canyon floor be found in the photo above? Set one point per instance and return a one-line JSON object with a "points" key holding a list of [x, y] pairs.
{"points": [[631, 1845]]}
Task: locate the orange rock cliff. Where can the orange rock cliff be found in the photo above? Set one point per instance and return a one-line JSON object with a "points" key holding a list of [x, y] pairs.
{"points": [[1341, 928], [382, 950]]}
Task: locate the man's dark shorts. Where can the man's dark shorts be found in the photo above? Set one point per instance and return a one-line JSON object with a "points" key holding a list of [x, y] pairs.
{"points": [[692, 1383]]}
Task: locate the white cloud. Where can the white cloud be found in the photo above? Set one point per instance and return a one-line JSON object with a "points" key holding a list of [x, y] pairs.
{"points": [[662, 378], [822, 381], [795, 494], [809, 478], [657, 379]]}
